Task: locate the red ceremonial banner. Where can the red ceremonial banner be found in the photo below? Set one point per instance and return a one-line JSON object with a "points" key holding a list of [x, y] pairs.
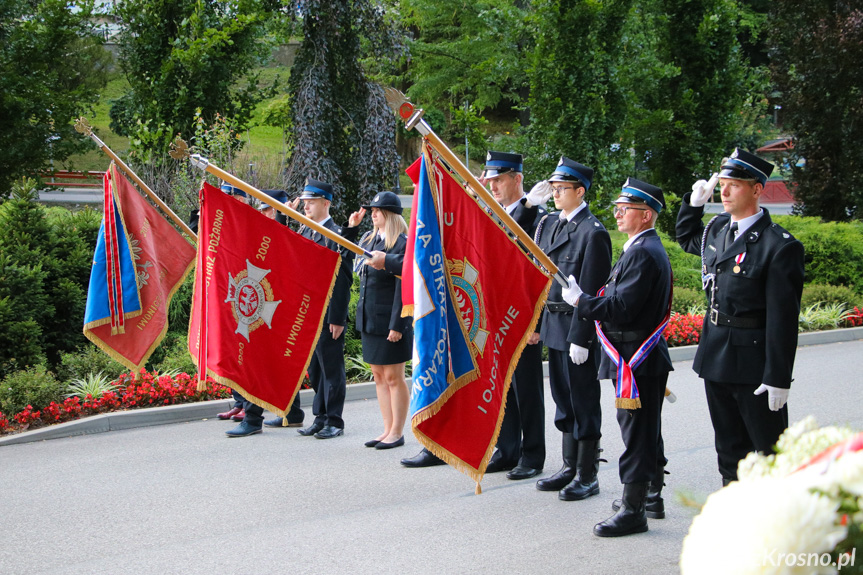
{"points": [[162, 260], [500, 292], [261, 291]]}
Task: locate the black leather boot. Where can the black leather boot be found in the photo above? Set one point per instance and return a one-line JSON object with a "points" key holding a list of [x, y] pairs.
{"points": [[585, 482], [631, 518], [560, 479], [654, 507]]}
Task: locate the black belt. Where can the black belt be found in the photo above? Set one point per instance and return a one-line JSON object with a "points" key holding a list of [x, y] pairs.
{"points": [[719, 318], [625, 336], [558, 306]]}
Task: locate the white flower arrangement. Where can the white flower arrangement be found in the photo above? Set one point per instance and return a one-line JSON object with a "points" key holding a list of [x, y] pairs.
{"points": [[794, 512]]}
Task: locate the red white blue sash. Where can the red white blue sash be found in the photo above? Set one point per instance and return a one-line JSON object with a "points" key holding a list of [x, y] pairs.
{"points": [[626, 390], [112, 252]]}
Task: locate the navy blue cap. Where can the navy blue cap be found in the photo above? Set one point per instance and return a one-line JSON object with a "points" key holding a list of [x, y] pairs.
{"points": [[232, 190], [497, 163], [386, 201], [743, 165], [278, 195], [638, 192], [571, 171], [317, 189]]}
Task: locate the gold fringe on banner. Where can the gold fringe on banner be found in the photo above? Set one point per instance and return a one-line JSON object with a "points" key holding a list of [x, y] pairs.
{"points": [[627, 403]]}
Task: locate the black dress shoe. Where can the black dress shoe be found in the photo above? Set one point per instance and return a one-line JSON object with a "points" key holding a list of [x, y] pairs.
{"points": [[311, 430], [397, 443], [496, 465], [372, 442], [424, 458], [328, 432], [523, 472]]}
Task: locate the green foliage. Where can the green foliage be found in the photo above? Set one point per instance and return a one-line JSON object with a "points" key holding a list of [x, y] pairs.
{"points": [[686, 267], [687, 300], [182, 56], [822, 316], [827, 294], [45, 267], [834, 250], [52, 67], [344, 133], [467, 121], [577, 102], [89, 359], [466, 51], [690, 92], [34, 386], [93, 384], [816, 49], [174, 355], [357, 369]]}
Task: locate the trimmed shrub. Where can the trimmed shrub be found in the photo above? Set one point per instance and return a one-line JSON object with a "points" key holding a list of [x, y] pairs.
{"points": [[176, 356], [827, 294], [90, 359], [34, 386], [834, 250], [686, 300]]}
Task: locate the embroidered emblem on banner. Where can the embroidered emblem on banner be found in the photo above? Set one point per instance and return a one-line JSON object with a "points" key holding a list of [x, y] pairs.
{"points": [[468, 296], [251, 299]]}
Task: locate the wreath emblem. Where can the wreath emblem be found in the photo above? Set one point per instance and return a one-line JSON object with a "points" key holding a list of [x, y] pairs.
{"points": [[251, 299]]}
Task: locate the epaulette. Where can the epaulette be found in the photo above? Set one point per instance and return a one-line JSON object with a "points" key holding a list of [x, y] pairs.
{"points": [[782, 232]]}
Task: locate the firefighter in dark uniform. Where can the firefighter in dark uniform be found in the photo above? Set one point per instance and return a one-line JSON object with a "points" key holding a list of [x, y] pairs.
{"points": [[327, 366], [521, 442], [752, 272], [579, 245], [633, 310]]}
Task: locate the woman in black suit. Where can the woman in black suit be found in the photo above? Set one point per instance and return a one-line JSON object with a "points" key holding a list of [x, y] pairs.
{"points": [[387, 336]]}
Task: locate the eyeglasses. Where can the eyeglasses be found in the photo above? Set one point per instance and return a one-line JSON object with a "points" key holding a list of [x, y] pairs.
{"points": [[621, 210], [558, 190]]}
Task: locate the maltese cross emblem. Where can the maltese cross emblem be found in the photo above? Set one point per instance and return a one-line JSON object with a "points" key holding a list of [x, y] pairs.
{"points": [[251, 298]]}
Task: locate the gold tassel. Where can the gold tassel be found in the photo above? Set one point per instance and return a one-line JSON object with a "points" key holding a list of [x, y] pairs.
{"points": [[478, 490], [284, 422], [627, 403]]}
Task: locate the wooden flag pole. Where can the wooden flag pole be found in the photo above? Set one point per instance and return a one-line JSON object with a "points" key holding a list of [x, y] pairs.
{"points": [[180, 150], [413, 119], [83, 127]]}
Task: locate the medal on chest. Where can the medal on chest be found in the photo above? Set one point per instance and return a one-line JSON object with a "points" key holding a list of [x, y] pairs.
{"points": [[737, 261]]}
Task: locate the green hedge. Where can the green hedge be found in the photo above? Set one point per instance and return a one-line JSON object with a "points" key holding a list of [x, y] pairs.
{"points": [[34, 386]]}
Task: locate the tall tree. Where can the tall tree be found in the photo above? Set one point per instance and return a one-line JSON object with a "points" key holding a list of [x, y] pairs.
{"points": [[343, 131], [700, 98], [817, 48], [577, 103], [52, 66], [182, 55]]}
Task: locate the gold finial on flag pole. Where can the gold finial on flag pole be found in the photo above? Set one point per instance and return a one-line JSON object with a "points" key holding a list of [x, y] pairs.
{"points": [[82, 126], [180, 150], [412, 118]]}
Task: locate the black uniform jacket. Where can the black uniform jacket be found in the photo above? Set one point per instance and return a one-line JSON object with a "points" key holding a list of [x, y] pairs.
{"points": [[581, 249], [379, 308], [635, 302], [337, 311], [766, 286]]}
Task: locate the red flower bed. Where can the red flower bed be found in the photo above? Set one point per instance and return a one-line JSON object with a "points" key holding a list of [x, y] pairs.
{"points": [[855, 319], [134, 390], [683, 329]]}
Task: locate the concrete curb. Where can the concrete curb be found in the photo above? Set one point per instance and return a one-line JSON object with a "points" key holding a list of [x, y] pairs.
{"points": [[358, 391]]}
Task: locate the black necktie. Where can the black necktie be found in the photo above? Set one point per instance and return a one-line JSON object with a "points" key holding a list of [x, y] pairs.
{"points": [[557, 229], [729, 237]]}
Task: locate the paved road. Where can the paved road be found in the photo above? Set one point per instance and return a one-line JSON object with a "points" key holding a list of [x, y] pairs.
{"points": [[184, 499]]}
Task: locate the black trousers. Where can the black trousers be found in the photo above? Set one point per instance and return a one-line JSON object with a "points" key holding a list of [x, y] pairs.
{"points": [[255, 414], [576, 393], [327, 377], [641, 430], [742, 423], [522, 431]]}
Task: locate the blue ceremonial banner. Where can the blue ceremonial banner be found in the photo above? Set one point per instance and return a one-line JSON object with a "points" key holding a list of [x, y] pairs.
{"points": [[442, 358]]}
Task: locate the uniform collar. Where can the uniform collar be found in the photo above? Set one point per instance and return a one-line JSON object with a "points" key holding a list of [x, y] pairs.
{"points": [[511, 208], [569, 217], [746, 223], [631, 240]]}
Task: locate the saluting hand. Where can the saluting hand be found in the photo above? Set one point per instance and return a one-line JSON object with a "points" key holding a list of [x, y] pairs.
{"points": [[539, 194], [294, 204], [394, 336], [356, 218], [702, 191]]}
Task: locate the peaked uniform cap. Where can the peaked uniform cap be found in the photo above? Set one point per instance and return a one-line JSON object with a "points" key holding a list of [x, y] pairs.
{"points": [[497, 163], [386, 201], [638, 192], [743, 165], [317, 189], [571, 171]]}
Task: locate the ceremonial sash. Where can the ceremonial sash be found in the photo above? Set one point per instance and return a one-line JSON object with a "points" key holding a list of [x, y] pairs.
{"points": [[626, 391]]}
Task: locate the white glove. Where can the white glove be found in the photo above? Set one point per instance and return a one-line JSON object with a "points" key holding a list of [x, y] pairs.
{"points": [[571, 293], [776, 396], [577, 354], [702, 191], [539, 194]]}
